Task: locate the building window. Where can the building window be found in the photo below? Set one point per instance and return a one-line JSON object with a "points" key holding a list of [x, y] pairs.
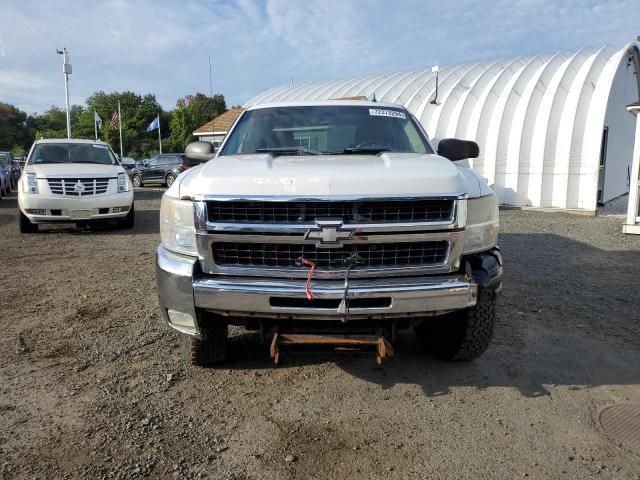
{"points": [[303, 142], [603, 146]]}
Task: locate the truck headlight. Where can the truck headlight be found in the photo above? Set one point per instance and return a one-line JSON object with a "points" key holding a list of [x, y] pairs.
{"points": [[481, 232], [123, 182], [177, 230], [30, 183]]}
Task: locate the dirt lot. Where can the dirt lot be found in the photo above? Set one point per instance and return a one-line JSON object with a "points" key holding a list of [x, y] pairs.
{"points": [[93, 384]]}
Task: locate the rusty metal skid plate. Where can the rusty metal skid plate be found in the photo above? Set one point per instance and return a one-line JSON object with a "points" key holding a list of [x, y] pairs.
{"points": [[382, 346]]}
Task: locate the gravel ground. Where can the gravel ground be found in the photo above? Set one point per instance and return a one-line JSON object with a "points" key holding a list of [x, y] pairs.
{"points": [[94, 385]]}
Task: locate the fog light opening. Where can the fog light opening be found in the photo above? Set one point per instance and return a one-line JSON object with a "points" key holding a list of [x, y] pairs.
{"points": [[35, 211], [181, 319], [120, 209]]}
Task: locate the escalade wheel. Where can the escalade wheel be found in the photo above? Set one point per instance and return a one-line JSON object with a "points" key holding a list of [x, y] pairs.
{"points": [[212, 348], [459, 336], [136, 180], [129, 220], [25, 224]]}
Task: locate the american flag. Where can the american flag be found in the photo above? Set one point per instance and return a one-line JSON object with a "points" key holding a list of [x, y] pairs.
{"points": [[115, 119]]}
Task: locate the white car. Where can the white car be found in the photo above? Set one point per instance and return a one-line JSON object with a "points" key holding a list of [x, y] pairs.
{"points": [[73, 181]]}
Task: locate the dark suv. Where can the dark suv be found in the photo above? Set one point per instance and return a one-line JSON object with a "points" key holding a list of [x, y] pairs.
{"points": [[161, 169]]}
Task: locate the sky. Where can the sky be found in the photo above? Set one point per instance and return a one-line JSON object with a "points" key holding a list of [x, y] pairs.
{"points": [[163, 46]]}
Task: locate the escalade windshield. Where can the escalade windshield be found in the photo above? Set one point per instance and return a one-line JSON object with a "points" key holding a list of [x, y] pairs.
{"points": [[309, 130], [72, 153]]}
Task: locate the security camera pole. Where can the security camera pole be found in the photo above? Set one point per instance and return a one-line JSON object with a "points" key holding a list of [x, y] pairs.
{"points": [[66, 69]]}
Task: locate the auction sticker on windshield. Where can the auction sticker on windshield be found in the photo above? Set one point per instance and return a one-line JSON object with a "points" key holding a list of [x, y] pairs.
{"points": [[379, 112]]}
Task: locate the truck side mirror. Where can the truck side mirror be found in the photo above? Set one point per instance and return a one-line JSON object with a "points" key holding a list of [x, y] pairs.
{"points": [[455, 149], [199, 151]]}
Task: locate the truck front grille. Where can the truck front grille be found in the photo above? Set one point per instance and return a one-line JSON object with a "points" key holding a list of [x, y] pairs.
{"points": [[67, 186], [378, 211], [369, 255]]}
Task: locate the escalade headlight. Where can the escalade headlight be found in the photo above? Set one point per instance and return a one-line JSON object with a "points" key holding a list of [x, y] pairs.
{"points": [[177, 229], [123, 182], [481, 232], [30, 183]]}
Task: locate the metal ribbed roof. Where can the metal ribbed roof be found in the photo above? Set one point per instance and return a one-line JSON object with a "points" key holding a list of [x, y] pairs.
{"points": [[538, 119]]}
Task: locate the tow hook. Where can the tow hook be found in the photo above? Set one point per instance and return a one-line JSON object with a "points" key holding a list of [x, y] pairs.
{"points": [[343, 308]]}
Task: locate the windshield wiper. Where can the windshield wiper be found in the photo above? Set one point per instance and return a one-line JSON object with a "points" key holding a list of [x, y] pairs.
{"points": [[287, 150], [373, 150]]}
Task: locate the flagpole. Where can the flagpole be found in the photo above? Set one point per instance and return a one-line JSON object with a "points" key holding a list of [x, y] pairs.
{"points": [[120, 125], [159, 136], [95, 123]]}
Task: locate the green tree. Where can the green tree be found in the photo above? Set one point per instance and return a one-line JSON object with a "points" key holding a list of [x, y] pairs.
{"points": [[14, 129], [190, 113], [137, 112]]}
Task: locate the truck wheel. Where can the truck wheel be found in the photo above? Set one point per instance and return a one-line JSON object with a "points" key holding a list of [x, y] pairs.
{"points": [[129, 220], [169, 179], [26, 226], [136, 180], [459, 336], [212, 348]]}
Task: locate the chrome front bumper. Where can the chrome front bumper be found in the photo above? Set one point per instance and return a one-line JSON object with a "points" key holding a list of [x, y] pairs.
{"points": [[181, 288]]}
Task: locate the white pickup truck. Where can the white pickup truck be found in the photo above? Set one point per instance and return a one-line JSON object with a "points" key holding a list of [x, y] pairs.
{"points": [[333, 217], [73, 181]]}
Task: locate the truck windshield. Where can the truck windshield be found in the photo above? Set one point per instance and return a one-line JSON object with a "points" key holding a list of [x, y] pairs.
{"points": [[331, 129], [72, 153]]}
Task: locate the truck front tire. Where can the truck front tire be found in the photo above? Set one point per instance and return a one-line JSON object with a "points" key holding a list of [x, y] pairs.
{"points": [[459, 336], [212, 348]]}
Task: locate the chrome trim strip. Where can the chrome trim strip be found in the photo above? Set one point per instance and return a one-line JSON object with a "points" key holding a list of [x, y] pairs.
{"points": [[302, 228], [84, 176], [324, 198]]}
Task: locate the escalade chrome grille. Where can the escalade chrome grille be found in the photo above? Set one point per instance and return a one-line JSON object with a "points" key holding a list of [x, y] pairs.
{"points": [[378, 211], [368, 255], [67, 186]]}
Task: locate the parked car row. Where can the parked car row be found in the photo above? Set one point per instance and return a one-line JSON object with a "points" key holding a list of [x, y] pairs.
{"points": [[10, 172], [161, 169]]}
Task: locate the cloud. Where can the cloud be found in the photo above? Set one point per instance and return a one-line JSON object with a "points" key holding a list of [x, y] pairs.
{"points": [[162, 46]]}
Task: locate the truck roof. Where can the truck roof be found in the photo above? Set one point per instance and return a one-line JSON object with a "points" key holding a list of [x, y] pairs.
{"points": [[332, 103]]}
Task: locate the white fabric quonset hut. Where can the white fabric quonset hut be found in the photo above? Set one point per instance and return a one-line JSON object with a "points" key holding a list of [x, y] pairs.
{"points": [[553, 129]]}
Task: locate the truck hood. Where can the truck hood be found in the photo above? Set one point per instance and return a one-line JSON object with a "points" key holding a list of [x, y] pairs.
{"points": [[388, 174], [73, 169]]}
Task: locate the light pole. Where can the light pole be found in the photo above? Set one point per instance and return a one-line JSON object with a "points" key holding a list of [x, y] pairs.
{"points": [[66, 69], [435, 70]]}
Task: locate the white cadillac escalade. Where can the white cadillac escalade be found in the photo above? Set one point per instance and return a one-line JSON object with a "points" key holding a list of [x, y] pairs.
{"points": [[330, 217], [73, 181]]}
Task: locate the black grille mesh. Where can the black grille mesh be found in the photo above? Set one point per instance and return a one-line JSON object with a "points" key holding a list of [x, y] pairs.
{"points": [[378, 211], [281, 255]]}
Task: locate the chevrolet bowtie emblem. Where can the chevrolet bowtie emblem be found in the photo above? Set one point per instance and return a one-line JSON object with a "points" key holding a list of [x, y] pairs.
{"points": [[329, 233]]}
